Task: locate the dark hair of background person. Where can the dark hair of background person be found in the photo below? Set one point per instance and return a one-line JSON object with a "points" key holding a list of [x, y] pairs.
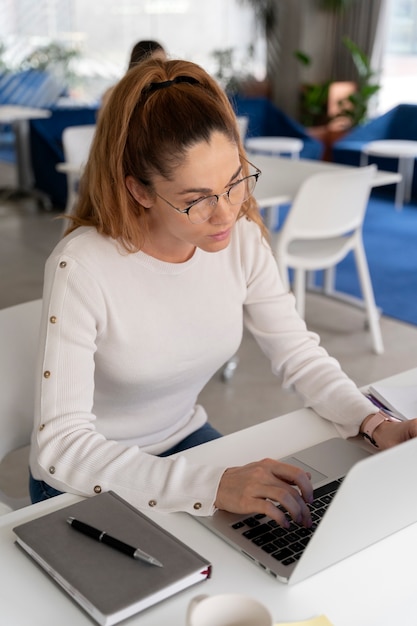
{"points": [[142, 50]]}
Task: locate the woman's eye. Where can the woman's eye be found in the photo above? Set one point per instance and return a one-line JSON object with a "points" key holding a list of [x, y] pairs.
{"points": [[191, 202]]}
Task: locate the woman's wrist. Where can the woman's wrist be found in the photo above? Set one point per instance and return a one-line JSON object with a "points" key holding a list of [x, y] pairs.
{"points": [[371, 423]]}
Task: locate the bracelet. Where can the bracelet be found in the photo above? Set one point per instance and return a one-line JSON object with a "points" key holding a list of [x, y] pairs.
{"points": [[372, 424]]}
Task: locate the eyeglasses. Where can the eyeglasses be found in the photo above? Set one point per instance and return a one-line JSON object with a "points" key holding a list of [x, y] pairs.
{"points": [[201, 210]]}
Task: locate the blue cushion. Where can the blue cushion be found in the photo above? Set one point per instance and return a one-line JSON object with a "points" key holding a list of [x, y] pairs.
{"points": [[398, 123], [265, 119]]}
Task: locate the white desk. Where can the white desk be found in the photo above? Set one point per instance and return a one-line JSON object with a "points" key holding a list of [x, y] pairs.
{"points": [[406, 153], [18, 117], [282, 177], [373, 588]]}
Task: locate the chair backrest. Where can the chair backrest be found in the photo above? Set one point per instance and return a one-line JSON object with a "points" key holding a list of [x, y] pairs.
{"points": [[329, 204], [76, 142], [19, 334]]}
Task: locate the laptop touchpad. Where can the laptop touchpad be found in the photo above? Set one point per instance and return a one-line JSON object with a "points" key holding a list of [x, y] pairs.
{"points": [[316, 476]]}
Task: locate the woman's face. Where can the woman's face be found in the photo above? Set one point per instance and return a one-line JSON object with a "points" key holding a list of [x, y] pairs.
{"points": [[209, 168]]}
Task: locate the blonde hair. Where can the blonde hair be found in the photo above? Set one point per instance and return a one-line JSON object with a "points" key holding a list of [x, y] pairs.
{"points": [[146, 130]]}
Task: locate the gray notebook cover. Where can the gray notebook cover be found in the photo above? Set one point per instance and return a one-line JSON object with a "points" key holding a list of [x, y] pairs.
{"points": [[110, 585]]}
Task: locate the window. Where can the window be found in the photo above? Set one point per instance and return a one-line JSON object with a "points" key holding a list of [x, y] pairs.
{"points": [[105, 30], [400, 60]]}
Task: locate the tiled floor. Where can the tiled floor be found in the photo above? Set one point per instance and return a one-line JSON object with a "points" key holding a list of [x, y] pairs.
{"points": [[27, 235]]}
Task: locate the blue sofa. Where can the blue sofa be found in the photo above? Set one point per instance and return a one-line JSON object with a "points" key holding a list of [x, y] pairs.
{"points": [[47, 151], [398, 123], [265, 119]]}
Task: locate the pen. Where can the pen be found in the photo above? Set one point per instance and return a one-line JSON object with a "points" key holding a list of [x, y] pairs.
{"points": [[101, 535]]}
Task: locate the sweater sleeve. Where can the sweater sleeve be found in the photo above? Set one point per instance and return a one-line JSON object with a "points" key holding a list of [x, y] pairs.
{"points": [[67, 451], [295, 353]]}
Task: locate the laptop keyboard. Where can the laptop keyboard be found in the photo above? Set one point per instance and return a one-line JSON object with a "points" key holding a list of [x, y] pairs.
{"points": [[287, 544]]}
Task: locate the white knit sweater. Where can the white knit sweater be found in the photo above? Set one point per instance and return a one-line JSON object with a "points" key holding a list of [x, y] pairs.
{"points": [[128, 342]]}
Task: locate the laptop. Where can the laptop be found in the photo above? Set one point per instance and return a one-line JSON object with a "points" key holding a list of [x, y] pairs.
{"points": [[351, 511]]}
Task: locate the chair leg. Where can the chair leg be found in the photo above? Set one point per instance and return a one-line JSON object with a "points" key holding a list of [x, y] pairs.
{"points": [[368, 296], [271, 217], [299, 288], [311, 280], [229, 369], [329, 280]]}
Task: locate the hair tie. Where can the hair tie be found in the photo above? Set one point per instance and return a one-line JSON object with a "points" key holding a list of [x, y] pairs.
{"points": [[174, 81]]}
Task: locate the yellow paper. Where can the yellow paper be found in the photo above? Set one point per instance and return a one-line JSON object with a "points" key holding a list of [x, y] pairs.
{"points": [[321, 620]]}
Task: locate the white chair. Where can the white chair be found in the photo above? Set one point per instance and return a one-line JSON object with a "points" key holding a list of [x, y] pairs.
{"points": [[323, 225], [76, 142], [19, 334], [289, 147]]}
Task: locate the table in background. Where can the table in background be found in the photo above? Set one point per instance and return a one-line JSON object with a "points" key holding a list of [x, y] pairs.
{"points": [[282, 178], [278, 185], [406, 153], [277, 146], [371, 588], [18, 117]]}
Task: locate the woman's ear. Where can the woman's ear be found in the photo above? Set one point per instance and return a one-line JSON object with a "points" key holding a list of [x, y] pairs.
{"points": [[139, 191]]}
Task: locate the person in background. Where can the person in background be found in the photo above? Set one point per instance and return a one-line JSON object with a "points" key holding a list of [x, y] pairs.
{"points": [[144, 49], [164, 263]]}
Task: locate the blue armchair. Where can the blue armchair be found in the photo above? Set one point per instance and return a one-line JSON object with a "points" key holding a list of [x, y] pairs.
{"points": [[265, 119], [398, 123]]}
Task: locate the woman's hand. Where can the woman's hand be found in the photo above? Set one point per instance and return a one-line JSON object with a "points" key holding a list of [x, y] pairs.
{"points": [[389, 434], [254, 488]]}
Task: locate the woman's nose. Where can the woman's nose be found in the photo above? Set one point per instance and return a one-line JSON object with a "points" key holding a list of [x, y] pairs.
{"points": [[223, 209]]}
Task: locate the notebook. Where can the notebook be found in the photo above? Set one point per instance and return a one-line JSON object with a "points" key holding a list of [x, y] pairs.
{"points": [[396, 395], [353, 519], [108, 584], [400, 400]]}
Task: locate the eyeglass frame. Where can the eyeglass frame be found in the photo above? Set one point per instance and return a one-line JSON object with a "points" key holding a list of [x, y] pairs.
{"points": [[187, 210]]}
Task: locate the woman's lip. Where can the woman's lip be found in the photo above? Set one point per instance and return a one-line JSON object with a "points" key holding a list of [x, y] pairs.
{"points": [[221, 235]]}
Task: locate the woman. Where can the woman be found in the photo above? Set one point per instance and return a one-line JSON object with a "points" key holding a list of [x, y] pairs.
{"points": [[146, 297]]}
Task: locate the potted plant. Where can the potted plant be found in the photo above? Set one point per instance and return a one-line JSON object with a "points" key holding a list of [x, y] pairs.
{"points": [[354, 107], [313, 97]]}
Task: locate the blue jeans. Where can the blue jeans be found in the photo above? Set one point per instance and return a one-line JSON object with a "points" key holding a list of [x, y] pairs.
{"points": [[40, 490]]}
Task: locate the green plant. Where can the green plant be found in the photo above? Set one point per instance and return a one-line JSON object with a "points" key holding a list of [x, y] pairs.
{"points": [[313, 97], [55, 56], [355, 106]]}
